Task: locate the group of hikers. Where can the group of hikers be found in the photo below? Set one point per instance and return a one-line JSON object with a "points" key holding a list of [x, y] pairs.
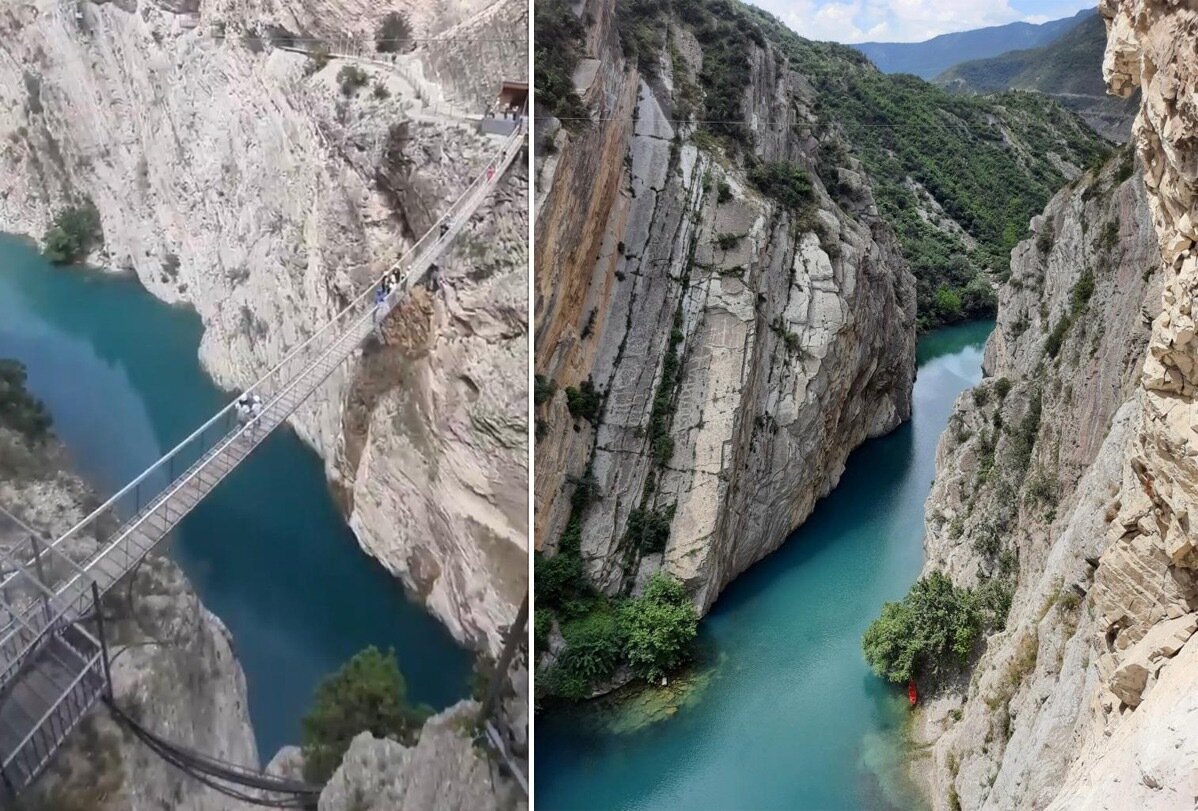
{"points": [[386, 287], [249, 408]]}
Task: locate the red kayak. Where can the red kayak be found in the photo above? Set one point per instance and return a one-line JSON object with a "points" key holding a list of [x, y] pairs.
{"points": [[912, 693]]}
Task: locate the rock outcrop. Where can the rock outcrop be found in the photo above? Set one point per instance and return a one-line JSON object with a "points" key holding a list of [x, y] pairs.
{"points": [[173, 666], [1074, 482], [246, 181], [443, 770], [715, 352]]}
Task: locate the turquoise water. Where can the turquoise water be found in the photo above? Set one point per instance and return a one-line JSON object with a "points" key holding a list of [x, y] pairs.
{"points": [[268, 552], [792, 717]]}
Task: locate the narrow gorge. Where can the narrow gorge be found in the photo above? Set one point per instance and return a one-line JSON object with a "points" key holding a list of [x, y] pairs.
{"points": [[739, 233], [264, 189], [1069, 476]]}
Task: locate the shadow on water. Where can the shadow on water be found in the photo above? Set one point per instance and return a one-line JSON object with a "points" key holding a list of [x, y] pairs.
{"points": [[791, 717], [268, 552]]}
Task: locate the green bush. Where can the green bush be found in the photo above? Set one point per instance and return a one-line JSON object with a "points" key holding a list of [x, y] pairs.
{"points": [[584, 401], [649, 530], [367, 694], [935, 626], [559, 579], [351, 77], [542, 389], [785, 182], [1052, 346], [658, 628], [394, 34], [19, 410], [75, 232], [542, 624], [559, 38], [948, 304], [591, 654]]}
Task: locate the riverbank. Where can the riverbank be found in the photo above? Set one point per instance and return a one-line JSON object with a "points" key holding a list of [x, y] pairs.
{"points": [[791, 716]]}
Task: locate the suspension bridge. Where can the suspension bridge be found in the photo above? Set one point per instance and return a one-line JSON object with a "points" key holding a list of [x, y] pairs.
{"points": [[53, 669]]}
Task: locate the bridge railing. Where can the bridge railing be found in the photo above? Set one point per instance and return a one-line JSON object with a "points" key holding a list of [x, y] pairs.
{"points": [[137, 501]]}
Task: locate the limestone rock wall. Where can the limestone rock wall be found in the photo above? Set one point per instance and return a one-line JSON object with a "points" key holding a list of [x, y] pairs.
{"points": [[443, 770], [792, 337], [1086, 698], [238, 179]]}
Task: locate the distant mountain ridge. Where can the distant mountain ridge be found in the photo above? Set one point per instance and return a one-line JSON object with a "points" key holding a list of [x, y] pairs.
{"points": [[934, 56], [1069, 69]]}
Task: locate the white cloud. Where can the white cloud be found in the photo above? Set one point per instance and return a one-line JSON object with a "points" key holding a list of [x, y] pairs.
{"points": [[907, 20]]}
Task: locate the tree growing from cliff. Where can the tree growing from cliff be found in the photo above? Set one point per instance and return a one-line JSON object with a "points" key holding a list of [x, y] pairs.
{"points": [[75, 232], [394, 34], [19, 410], [658, 628], [367, 694], [936, 625]]}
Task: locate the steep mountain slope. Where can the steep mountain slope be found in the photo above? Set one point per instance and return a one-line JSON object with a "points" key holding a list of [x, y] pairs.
{"points": [[1069, 69], [1067, 479], [723, 310], [931, 57], [247, 182]]}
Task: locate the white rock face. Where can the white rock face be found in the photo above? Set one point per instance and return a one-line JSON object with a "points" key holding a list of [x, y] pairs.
{"points": [[1086, 699], [789, 339], [443, 771], [231, 177]]}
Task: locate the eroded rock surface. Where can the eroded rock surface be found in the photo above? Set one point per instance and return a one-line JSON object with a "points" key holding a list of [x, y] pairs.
{"points": [[788, 339], [1086, 699]]}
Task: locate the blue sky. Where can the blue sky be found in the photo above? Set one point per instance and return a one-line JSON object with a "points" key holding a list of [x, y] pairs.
{"points": [[909, 20]]}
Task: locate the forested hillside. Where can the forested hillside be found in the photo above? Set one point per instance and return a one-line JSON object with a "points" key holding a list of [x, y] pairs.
{"points": [[1069, 69]]}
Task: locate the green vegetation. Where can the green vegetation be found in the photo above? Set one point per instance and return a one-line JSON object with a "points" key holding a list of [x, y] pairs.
{"points": [[20, 411], [74, 234], [785, 182], [934, 627], [351, 78], [394, 34], [559, 37], [542, 389], [368, 693], [584, 401], [648, 530], [914, 139], [658, 628]]}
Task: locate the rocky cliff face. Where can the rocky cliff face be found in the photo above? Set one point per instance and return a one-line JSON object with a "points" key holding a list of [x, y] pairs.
{"points": [[714, 351], [1073, 482], [242, 180], [173, 666], [444, 769]]}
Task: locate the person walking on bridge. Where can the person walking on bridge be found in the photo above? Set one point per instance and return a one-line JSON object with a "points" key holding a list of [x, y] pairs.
{"points": [[380, 298]]}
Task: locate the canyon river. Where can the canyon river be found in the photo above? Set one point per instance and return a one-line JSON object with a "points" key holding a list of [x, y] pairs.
{"points": [[785, 712], [268, 552]]}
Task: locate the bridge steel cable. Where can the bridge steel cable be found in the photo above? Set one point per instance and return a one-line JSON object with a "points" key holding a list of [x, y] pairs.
{"points": [[55, 591], [222, 775]]}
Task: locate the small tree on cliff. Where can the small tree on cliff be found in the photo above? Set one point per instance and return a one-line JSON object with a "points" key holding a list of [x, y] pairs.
{"points": [[936, 625], [368, 694], [658, 628], [394, 34]]}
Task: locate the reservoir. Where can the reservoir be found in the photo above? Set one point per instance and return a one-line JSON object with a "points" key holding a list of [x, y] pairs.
{"points": [[789, 715], [268, 551]]}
